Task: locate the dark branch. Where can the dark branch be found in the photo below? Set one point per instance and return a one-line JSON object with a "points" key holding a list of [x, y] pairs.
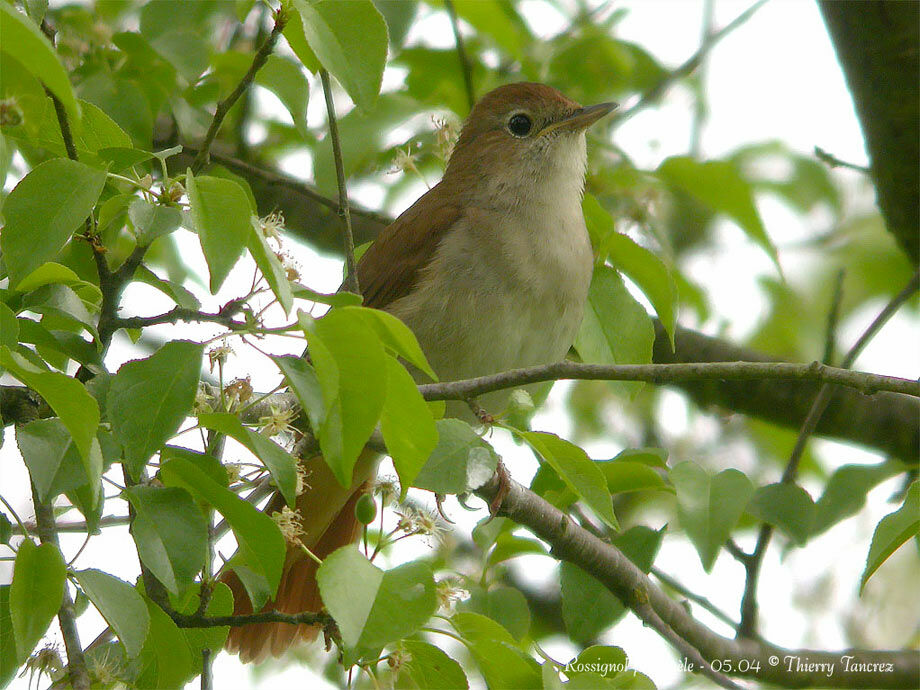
{"points": [[877, 44]]}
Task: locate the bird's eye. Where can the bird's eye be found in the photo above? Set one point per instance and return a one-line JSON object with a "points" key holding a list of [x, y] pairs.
{"points": [[520, 125]]}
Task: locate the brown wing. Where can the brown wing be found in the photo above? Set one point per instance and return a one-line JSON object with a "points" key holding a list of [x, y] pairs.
{"points": [[390, 268]]}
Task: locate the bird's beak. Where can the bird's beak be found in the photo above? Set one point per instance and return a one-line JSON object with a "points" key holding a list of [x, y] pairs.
{"points": [[581, 118]]}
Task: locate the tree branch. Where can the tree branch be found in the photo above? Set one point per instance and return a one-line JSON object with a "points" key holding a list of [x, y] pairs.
{"points": [[76, 662], [877, 44], [183, 620], [351, 277], [788, 668], [224, 106], [668, 373]]}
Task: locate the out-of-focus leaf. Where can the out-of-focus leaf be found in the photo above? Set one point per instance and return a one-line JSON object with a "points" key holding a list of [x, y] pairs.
{"points": [[845, 492], [719, 185], [892, 531], [21, 37], [709, 506], [786, 506]]}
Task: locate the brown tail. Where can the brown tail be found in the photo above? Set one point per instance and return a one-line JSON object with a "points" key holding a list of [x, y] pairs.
{"points": [[328, 513]]}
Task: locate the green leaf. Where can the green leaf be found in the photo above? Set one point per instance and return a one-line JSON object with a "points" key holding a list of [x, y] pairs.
{"points": [[460, 462], [508, 546], [624, 476], [786, 506], [221, 211], [648, 272], [616, 329], [44, 210], [9, 664], [302, 380], [149, 398], [283, 77], [153, 220], [429, 668], [51, 273], [121, 606], [67, 397], [350, 363], [270, 266], [505, 605], [404, 602], [261, 544], [166, 659], [176, 292], [407, 425], [502, 663], [892, 531], [719, 185], [845, 492], [54, 462], [581, 474], [709, 506], [349, 38], [9, 327], [281, 464], [170, 532], [221, 604], [588, 607], [395, 335], [595, 658], [336, 299], [21, 37], [348, 584], [35, 594]]}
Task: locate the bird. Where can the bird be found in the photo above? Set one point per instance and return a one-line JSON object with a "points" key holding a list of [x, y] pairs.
{"points": [[490, 269]]}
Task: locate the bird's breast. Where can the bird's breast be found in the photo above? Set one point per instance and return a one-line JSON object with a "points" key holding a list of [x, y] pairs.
{"points": [[504, 290]]}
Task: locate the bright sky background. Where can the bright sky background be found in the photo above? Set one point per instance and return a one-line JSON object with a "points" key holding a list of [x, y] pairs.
{"points": [[776, 77]]}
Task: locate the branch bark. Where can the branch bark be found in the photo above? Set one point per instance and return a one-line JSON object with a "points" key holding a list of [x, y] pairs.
{"points": [[878, 46], [854, 668]]}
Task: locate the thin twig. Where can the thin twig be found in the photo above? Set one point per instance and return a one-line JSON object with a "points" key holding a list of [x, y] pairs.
{"points": [[351, 280], [700, 105], [832, 161], [748, 624], [653, 94], [224, 106], [670, 373], [461, 53], [178, 314], [698, 599], [76, 661]]}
